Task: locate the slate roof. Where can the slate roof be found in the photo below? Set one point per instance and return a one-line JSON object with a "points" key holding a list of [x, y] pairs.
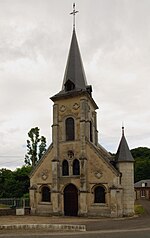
{"points": [[74, 68], [139, 183], [74, 72], [123, 153]]}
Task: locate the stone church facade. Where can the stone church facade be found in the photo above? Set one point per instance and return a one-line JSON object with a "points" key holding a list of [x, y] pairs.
{"points": [[77, 176]]}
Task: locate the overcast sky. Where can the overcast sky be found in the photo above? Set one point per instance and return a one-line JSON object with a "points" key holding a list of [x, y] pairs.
{"points": [[114, 40]]}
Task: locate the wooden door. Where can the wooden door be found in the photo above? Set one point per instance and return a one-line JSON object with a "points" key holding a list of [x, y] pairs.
{"points": [[70, 200]]}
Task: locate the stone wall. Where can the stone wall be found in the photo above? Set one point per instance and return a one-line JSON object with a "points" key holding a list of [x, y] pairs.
{"points": [[12, 211], [7, 211]]}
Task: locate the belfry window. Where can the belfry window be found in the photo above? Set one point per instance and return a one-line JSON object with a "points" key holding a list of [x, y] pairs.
{"points": [[46, 194], [65, 168], [76, 167], [69, 129], [99, 195], [69, 85]]}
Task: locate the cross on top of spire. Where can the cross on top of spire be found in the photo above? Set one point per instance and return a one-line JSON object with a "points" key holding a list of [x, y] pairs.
{"points": [[73, 13], [122, 129]]}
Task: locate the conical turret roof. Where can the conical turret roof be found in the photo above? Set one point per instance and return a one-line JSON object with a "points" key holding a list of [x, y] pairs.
{"points": [[123, 153]]}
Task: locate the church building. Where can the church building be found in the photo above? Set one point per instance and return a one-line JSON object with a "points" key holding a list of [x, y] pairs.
{"points": [[77, 176]]}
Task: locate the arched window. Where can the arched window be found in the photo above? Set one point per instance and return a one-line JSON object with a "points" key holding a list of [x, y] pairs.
{"points": [[76, 167], [65, 168], [99, 195], [46, 195], [70, 129]]}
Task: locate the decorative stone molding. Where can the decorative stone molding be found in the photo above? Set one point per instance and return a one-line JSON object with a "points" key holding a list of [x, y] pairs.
{"points": [[70, 154], [62, 108], [33, 187], [98, 174], [44, 174], [76, 106]]}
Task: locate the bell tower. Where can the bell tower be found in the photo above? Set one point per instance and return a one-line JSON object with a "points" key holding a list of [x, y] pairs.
{"points": [[75, 90], [74, 121]]}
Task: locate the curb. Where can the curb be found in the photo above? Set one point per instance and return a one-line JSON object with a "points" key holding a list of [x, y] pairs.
{"points": [[51, 227]]}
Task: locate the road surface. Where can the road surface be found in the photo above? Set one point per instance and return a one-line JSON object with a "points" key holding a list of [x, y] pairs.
{"points": [[138, 233]]}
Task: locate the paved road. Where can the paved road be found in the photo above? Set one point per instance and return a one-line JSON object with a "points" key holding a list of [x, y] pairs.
{"points": [[138, 233], [138, 227]]}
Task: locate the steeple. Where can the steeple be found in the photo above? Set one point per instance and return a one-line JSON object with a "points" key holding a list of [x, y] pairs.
{"points": [[74, 69], [74, 80], [123, 152]]}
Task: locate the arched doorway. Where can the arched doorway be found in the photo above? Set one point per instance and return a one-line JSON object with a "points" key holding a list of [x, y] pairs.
{"points": [[70, 200]]}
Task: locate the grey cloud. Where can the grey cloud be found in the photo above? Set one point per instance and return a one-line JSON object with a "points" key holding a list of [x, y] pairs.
{"points": [[114, 40]]}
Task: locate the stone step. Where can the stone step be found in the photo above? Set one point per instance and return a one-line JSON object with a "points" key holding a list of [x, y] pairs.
{"points": [[51, 227]]}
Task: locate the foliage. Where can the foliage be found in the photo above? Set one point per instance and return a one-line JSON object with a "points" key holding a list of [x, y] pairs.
{"points": [[139, 209], [36, 147], [3, 206], [142, 163], [14, 183], [141, 152], [6, 180]]}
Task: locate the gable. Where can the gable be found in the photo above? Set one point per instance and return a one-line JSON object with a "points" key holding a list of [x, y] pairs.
{"points": [[43, 169], [99, 168]]}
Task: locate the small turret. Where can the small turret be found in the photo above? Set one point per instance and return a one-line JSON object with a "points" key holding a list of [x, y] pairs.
{"points": [[125, 165]]}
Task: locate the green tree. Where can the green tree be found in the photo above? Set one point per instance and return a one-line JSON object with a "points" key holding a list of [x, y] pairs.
{"points": [[142, 163], [21, 177], [14, 184], [141, 152], [42, 147], [6, 182], [36, 147], [142, 169]]}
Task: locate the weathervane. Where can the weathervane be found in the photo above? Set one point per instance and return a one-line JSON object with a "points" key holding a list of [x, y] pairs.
{"points": [[74, 13]]}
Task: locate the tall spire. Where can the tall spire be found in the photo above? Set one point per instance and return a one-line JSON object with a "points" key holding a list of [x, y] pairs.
{"points": [[74, 73], [74, 78]]}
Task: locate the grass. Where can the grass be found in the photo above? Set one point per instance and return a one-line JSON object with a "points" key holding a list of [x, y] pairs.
{"points": [[139, 209], [3, 206]]}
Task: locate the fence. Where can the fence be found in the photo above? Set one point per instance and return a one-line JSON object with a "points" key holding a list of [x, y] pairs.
{"points": [[15, 202]]}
